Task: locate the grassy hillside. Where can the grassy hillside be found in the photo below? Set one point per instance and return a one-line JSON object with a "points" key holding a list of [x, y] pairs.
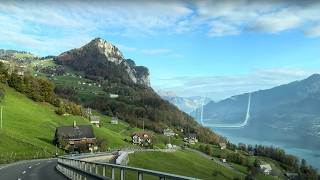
{"points": [[183, 163], [28, 128]]}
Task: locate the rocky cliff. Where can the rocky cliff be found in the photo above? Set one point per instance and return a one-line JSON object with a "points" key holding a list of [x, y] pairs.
{"points": [[101, 58]]}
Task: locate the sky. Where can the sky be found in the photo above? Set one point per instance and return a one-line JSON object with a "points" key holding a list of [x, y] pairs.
{"points": [[192, 48]]}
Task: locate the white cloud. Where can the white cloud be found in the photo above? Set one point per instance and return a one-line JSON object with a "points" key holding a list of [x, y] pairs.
{"points": [[271, 16], [276, 22], [313, 31], [220, 87], [222, 29]]}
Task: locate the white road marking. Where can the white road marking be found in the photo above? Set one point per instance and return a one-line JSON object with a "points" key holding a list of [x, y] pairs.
{"points": [[38, 164], [23, 172], [49, 161], [30, 167], [19, 178]]}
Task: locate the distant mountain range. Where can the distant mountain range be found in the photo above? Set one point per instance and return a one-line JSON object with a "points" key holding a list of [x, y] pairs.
{"points": [[288, 113], [186, 104]]}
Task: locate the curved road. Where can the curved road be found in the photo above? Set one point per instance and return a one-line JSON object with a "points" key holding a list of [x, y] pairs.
{"points": [[31, 170]]}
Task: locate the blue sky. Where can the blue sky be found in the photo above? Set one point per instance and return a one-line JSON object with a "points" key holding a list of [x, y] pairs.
{"points": [[209, 48]]}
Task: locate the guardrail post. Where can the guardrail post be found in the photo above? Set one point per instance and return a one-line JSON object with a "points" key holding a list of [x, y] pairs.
{"points": [[140, 176], [71, 167], [104, 170], [121, 174], [112, 174]]}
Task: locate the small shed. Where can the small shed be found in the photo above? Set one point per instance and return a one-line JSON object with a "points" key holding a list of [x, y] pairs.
{"points": [[114, 120], [113, 96]]}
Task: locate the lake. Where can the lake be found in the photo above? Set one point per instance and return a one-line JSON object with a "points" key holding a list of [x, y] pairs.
{"points": [[312, 156]]}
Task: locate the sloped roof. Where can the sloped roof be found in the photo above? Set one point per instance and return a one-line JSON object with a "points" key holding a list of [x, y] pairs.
{"points": [[77, 132], [192, 135]]}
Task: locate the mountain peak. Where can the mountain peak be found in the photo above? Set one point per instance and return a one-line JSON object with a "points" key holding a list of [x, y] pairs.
{"points": [[167, 93], [314, 77], [111, 52], [105, 60]]}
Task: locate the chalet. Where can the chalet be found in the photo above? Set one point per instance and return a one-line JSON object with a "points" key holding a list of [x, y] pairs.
{"points": [[79, 138], [223, 145], [265, 168], [191, 138], [95, 120], [141, 138], [114, 120], [168, 132]]}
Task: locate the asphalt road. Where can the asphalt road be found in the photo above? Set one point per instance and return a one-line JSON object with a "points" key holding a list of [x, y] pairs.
{"points": [[44, 169]]}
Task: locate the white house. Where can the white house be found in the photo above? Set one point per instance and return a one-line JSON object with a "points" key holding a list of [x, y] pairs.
{"points": [[168, 132], [114, 120], [265, 168], [95, 120]]}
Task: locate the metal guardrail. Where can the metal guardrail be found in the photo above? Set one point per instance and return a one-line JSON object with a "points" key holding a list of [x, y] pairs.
{"points": [[78, 169]]}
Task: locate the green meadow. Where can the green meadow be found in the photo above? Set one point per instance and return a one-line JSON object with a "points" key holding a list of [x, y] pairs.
{"points": [[29, 127]]}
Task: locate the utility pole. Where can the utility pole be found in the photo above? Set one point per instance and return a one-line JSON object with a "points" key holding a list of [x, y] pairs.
{"points": [[1, 115], [143, 125]]}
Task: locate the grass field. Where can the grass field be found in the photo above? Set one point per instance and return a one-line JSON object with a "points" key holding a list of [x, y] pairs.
{"points": [[29, 127], [181, 162]]}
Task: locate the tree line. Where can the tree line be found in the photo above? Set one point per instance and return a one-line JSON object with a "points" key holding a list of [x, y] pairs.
{"points": [[38, 89], [288, 162]]}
